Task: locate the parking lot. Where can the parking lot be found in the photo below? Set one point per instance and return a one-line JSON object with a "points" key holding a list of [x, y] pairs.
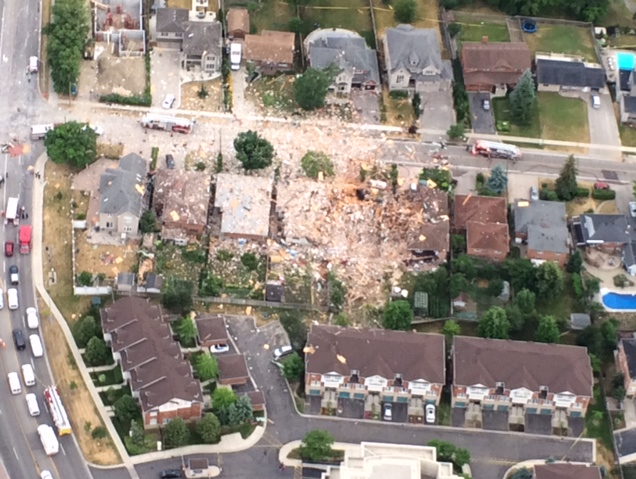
{"points": [[164, 75], [483, 121]]}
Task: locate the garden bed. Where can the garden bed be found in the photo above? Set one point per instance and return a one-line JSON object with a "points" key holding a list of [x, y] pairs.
{"points": [[114, 376]]}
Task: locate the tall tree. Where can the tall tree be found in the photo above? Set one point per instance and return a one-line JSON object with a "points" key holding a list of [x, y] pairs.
{"points": [[253, 151], [566, 182], [241, 411], [209, 428], [405, 11], [549, 280], [575, 262], [187, 331], [522, 99], [126, 409], [96, 352], [206, 367], [316, 445], [398, 315], [84, 329], [293, 367], [451, 329], [494, 324], [296, 329], [548, 330], [498, 180], [310, 88], [176, 433], [525, 300], [71, 143], [315, 162]]}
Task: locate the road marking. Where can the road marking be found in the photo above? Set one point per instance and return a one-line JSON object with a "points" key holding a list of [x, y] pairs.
{"points": [[16, 454], [62, 447], [2, 30]]}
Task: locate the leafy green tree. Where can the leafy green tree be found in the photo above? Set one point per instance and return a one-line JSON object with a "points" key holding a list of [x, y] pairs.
{"points": [[494, 324], [442, 177], [84, 329], [85, 279], [316, 446], [177, 296], [458, 284], [522, 99], [315, 162], [310, 88], [416, 102], [250, 261], [137, 433], [520, 273], [187, 330], [206, 367], [65, 45], [445, 450], [337, 293], [525, 300], [548, 330], [466, 265], [148, 222], [295, 25], [126, 409], [253, 151], [405, 11], [515, 317], [456, 131], [495, 287], [592, 338], [458, 244], [451, 328], [498, 180], [398, 315], [575, 262], [209, 428], [461, 457], [295, 328], [609, 333], [96, 352], [176, 433], [241, 411], [549, 280], [222, 399], [71, 143], [566, 185], [293, 367]]}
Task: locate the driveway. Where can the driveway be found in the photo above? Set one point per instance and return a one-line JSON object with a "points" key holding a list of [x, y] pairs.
{"points": [[164, 75], [437, 110], [350, 408], [539, 424], [483, 121], [602, 125], [365, 107], [495, 420]]}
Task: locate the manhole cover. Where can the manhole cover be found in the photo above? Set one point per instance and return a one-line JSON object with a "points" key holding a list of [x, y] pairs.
{"points": [[609, 175]]}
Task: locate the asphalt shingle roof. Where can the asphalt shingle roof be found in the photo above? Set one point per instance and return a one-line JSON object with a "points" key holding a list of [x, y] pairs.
{"points": [[544, 223], [569, 74], [121, 189], [605, 228], [200, 37], [629, 346], [171, 20]]}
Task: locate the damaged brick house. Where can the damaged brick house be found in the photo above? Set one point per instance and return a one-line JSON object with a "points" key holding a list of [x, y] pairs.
{"points": [[428, 240]]}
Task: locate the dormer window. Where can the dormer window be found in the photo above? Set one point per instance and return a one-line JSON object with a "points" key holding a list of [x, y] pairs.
{"points": [[543, 392], [398, 380], [355, 376]]}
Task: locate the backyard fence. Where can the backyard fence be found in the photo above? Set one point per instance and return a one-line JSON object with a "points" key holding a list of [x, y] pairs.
{"points": [[258, 303]]}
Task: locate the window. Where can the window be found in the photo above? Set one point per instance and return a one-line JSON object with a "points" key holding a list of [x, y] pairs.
{"points": [[400, 79], [153, 421], [166, 420], [109, 224]]}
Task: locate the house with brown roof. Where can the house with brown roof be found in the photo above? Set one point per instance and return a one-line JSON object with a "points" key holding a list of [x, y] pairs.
{"points": [[232, 369], [271, 52], [211, 330], [484, 220], [626, 364], [356, 372], [494, 66], [257, 400], [151, 361], [566, 471], [180, 200], [536, 387], [238, 23], [429, 238]]}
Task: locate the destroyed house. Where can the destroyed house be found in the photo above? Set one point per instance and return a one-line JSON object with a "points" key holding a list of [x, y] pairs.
{"points": [[428, 239]]}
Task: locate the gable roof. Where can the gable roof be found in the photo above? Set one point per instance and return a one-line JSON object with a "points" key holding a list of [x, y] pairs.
{"points": [[171, 20], [629, 254], [601, 228], [520, 364], [121, 189], [232, 366], [200, 37], [629, 347], [483, 209], [374, 352], [566, 471], [493, 237], [569, 73], [270, 46], [485, 63], [211, 327], [238, 19], [414, 49], [345, 49], [544, 223]]}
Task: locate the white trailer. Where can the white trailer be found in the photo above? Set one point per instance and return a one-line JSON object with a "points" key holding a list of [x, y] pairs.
{"points": [[38, 132], [11, 213], [49, 439]]}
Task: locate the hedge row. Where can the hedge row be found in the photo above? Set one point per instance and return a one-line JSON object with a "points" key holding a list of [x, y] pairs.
{"points": [[603, 194]]}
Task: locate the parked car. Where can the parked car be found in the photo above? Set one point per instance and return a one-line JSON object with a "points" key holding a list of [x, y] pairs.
{"points": [[170, 164], [282, 351], [388, 411], [18, 340], [430, 413], [171, 474], [168, 101], [219, 348], [632, 208], [1, 299], [14, 274], [596, 102], [46, 475], [486, 105], [601, 185], [534, 193], [9, 246]]}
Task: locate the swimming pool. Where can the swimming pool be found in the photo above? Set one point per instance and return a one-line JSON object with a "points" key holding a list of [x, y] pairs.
{"points": [[619, 301], [625, 61]]}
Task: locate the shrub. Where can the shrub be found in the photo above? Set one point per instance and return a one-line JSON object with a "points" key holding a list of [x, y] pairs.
{"points": [[454, 29], [603, 194], [480, 179], [99, 432], [582, 192], [132, 100], [399, 94], [549, 195]]}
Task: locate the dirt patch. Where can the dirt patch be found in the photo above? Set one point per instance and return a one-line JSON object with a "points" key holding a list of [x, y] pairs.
{"points": [[77, 400], [122, 75], [190, 96], [107, 260], [110, 150]]}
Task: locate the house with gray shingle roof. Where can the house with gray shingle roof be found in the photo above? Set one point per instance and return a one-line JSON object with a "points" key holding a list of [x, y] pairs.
{"points": [[170, 24], [356, 63], [121, 196], [414, 61], [201, 46]]}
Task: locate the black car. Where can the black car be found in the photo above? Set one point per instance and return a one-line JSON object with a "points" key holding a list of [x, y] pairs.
{"points": [[170, 164], [20, 343], [171, 474]]}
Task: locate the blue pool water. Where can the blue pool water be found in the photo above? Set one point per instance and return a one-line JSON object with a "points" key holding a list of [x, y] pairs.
{"points": [[625, 61], [619, 301]]}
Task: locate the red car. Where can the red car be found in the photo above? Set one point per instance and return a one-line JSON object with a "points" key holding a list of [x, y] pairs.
{"points": [[8, 248], [599, 185]]}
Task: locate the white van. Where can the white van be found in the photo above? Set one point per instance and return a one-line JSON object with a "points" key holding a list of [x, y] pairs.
{"points": [[33, 64], [236, 49], [36, 346], [596, 102], [32, 404], [12, 298], [14, 383], [32, 318], [28, 375]]}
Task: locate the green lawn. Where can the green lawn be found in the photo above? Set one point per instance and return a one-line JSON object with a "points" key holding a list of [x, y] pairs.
{"points": [[628, 135], [496, 32], [562, 39], [502, 113], [270, 15], [596, 422], [348, 14]]}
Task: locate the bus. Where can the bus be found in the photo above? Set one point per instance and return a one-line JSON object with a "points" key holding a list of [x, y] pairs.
{"points": [[493, 149], [58, 413]]}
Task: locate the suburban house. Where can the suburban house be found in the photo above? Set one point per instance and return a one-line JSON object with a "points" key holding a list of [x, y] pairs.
{"points": [[211, 330], [414, 60], [244, 203], [180, 200], [257, 399], [171, 24], [626, 97], [567, 471], [374, 460], [626, 364], [271, 52], [494, 67], [121, 193], [151, 361], [542, 227], [232, 369], [565, 73], [238, 23], [359, 367], [202, 46], [355, 62], [536, 387], [429, 238], [484, 220], [608, 232]]}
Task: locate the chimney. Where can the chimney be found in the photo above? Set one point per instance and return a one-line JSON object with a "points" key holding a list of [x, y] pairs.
{"points": [[484, 39]]}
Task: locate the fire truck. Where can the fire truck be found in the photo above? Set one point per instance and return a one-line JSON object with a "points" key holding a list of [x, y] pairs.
{"points": [[58, 413], [167, 123], [493, 149]]}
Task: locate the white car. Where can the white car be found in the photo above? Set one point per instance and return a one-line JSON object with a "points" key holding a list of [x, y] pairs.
{"points": [[168, 101], [32, 319], [388, 411], [219, 348], [632, 208], [99, 131], [430, 413], [486, 105], [46, 475], [282, 351]]}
